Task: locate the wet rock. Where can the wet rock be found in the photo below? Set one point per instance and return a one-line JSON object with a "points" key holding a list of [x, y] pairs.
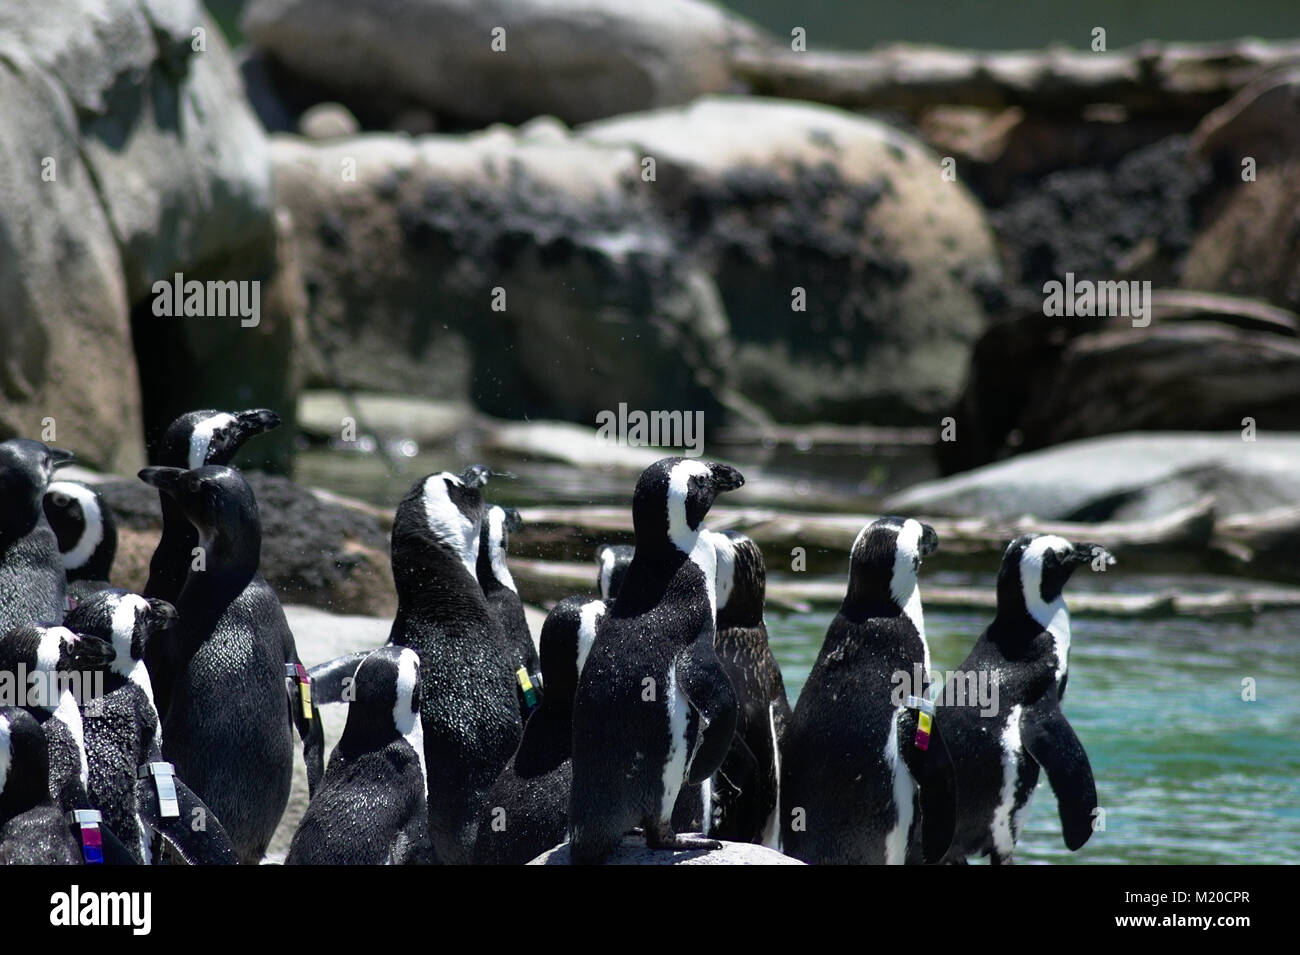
{"points": [[481, 62], [896, 264], [634, 852]]}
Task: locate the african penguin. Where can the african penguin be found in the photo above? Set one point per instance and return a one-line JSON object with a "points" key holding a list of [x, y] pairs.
{"points": [[997, 751], [503, 600], [743, 793], [222, 678], [86, 531], [654, 710], [468, 698], [371, 807], [861, 781], [527, 808], [33, 587], [193, 440], [33, 829], [612, 561], [123, 734]]}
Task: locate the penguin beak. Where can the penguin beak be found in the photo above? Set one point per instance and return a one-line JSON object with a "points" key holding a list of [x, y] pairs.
{"points": [[929, 540], [477, 475], [161, 614], [726, 478], [256, 421], [164, 479], [514, 522], [60, 457], [1093, 554]]}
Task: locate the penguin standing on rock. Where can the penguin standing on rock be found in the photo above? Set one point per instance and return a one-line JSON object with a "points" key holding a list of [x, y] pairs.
{"points": [[33, 587], [1025, 653], [865, 775], [527, 809], [503, 600], [193, 440], [654, 710], [371, 808], [33, 830], [87, 534], [221, 676]]}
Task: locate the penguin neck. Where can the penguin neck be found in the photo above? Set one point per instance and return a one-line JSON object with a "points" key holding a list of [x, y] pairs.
{"points": [[231, 563], [492, 572], [430, 580], [867, 597], [663, 555]]}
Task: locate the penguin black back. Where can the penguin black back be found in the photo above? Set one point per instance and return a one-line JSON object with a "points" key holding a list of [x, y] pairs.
{"points": [[33, 587], [503, 599]]}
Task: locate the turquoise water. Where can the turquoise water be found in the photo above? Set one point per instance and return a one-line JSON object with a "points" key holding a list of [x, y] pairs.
{"points": [[1186, 771]]}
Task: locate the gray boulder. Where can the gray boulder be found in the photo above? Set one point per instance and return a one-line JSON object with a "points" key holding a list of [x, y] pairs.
{"points": [[634, 852], [574, 59]]}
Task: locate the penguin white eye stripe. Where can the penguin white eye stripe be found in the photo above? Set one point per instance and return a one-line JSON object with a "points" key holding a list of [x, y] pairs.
{"points": [[51, 647], [446, 521], [93, 531], [679, 489], [202, 435]]}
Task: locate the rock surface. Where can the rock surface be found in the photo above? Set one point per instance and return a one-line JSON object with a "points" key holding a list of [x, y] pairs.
{"points": [[574, 59], [634, 852]]}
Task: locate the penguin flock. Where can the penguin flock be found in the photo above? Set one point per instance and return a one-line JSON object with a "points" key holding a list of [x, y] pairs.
{"points": [[160, 727]]}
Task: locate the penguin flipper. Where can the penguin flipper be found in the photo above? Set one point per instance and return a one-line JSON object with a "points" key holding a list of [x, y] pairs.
{"points": [[196, 834], [933, 771], [709, 692], [1051, 741], [329, 680]]}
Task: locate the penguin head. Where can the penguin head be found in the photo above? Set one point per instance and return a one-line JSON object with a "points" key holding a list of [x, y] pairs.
{"points": [[24, 762], [212, 437], [1036, 568], [566, 638], [123, 619], [386, 688], [46, 650], [26, 469], [741, 581], [613, 561], [494, 538], [885, 560], [441, 511], [84, 526], [673, 496], [215, 499]]}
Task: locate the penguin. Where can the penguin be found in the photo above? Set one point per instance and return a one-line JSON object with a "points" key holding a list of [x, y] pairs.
{"points": [[997, 755], [503, 601], [371, 808], [654, 710], [863, 780], [33, 830], [527, 808], [193, 440], [743, 795], [468, 698], [612, 561], [220, 677], [123, 734], [86, 531], [33, 587]]}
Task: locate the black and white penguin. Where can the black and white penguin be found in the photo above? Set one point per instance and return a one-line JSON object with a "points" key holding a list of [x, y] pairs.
{"points": [[468, 698], [220, 677], [86, 531], [123, 734], [863, 779], [503, 600], [743, 794], [195, 439], [371, 807], [654, 710], [612, 562], [527, 808], [33, 587], [997, 750], [33, 830]]}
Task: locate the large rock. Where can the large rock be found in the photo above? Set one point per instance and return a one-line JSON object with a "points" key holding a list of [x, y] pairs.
{"points": [[1121, 477], [575, 59], [898, 264], [133, 156], [633, 851], [405, 261]]}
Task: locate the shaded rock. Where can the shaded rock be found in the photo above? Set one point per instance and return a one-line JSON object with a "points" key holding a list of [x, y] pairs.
{"points": [[897, 265], [634, 852], [1258, 122], [522, 270], [1121, 477], [575, 59], [324, 413]]}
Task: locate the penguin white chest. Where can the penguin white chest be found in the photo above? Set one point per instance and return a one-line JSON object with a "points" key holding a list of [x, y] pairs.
{"points": [[679, 749]]}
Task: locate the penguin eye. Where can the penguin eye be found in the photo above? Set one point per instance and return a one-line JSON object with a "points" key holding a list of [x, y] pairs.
{"points": [[192, 484], [60, 500]]}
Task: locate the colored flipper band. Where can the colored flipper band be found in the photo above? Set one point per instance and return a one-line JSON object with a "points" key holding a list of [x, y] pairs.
{"points": [[164, 778], [87, 822], [296, 673], [924, 719], [526, 684]]}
